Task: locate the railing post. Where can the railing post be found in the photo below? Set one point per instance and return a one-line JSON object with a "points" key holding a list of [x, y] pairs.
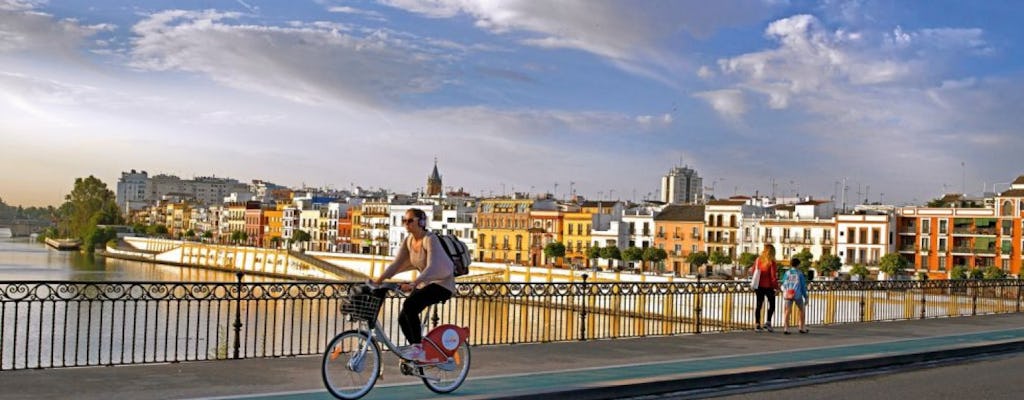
{"points": [[583, 312], [1018, 293], [696, 304], [923, 300], [862, 303], [974, 298], [238, 314]]}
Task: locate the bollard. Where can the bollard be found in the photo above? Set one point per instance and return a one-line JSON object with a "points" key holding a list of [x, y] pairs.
{"points": [[974, 298], [861, 306], [583, 312], [238, 315], [1018, 293], [923, 300]]}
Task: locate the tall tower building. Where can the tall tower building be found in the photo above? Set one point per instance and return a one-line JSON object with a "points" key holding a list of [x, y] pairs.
{"points": [[682, 185], [434, 182], [131, 190]]}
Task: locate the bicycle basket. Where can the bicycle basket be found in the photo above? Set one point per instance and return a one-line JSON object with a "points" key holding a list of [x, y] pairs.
{"points": [[361, 306]]}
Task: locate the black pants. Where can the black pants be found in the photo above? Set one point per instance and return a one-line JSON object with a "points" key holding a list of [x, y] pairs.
{"points": [[418, 300], [762, 294]]}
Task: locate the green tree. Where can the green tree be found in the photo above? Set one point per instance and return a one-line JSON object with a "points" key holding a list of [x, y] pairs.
{"points": [[977, 274], [892, 264], [829, 264], [936, 203], [719, 258], [633, 253], [554, 250], [89, 203], [238, 237], [611, 253], [157, 230], [958, 272], [654, 256], [806, 259], [860, 270], [994, 272], [697, 259], [747, 259], [593, 253]]}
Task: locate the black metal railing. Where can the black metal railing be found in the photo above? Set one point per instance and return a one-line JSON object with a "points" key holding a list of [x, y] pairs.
{"points": [[47, 324]]}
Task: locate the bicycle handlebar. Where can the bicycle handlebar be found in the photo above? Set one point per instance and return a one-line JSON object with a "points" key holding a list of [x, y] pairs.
{"points": [[394, 287]]}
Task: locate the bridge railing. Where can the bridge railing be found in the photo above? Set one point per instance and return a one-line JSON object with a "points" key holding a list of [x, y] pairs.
{"points": [[47, 324]]}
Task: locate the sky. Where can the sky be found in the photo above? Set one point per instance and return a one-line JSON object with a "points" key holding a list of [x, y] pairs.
{"points": [[900, 101]]}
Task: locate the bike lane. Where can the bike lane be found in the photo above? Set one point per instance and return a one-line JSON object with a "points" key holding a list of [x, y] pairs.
{"points": [[549, 384]]}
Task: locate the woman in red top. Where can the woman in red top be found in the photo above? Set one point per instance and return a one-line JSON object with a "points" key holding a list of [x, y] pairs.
{"points": [[766, 286]]}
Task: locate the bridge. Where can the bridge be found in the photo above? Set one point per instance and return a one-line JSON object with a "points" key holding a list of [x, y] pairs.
{"points": [[603, 369], [21, 227]]}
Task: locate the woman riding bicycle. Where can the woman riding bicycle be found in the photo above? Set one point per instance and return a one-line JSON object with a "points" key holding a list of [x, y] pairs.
{"points": [[421, 251]]}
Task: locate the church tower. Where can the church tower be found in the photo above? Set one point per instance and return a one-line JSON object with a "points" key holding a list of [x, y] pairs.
{"points": [[434, 182]]}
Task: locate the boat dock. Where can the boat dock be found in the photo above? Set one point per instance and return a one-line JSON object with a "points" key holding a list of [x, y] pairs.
{"points": [[64, 244]]}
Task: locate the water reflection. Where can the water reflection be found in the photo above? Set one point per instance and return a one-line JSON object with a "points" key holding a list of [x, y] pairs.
{"points": [[22, 259]]}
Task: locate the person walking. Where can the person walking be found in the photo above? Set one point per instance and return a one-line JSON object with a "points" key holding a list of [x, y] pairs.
{"points": [[794, 292], [420, 251], [766, 287]]}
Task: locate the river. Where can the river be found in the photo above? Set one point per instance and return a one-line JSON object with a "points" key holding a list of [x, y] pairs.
{"points": [[24, 260]]}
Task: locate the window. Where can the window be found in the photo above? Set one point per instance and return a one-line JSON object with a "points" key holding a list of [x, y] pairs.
{"points": [[942, 244], [942, 263], [924, 244], [926, 226], [1007, 209], [943, 226], [875, 236]]}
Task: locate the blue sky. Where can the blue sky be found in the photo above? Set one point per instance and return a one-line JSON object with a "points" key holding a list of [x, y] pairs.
{"points": [[903, 100]]}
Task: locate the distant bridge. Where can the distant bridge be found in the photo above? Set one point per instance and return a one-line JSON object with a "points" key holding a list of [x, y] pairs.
{"points": [[21, 227]]}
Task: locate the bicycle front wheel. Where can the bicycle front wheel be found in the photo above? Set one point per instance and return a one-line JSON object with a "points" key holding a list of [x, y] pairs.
{"points": [[351, 364], [446, 377]]}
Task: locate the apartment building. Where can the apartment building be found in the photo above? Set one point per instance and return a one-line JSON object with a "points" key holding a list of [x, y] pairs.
{"points": [[864, 237], [503, 229], [546, 226], [679, 230]]}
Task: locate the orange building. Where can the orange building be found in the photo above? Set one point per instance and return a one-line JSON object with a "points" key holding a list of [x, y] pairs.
{"points": [[679, 230]]}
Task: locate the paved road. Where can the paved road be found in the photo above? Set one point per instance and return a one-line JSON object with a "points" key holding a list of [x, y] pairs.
{"points": [[592, 369], [991, 378]]}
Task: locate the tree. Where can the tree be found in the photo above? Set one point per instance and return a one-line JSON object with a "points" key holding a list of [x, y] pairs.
{"points": [[829, 264], [747, 259], [593, 253], [719, 258], [611, 253], [554, 250], [892, 264], [156, 230], [697, 259], [654, 256], [89, 203], [241, 236], [633, 253], [977, 274], [994, 272], [806, 258], [936, 203], [301, 237], [958, 272], [860, 270]]}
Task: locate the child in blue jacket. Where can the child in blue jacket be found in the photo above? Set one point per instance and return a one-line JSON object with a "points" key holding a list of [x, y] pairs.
{"points": [[794, 291]]}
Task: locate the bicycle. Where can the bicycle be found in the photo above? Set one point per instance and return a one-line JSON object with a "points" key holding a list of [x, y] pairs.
{"points": [[352, 360]]}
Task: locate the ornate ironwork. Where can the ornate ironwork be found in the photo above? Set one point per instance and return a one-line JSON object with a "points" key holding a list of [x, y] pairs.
{"points": [[53, 324]]}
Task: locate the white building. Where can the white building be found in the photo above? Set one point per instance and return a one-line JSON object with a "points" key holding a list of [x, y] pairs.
{"points": [[131, 191], [682, 185], [863, 238]]}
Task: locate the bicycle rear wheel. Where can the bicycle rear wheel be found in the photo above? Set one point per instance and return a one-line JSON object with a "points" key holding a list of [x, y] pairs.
{"points": [[445, 378], [351, 365]]}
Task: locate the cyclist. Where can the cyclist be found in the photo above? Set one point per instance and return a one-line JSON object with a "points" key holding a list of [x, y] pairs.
{"points": [[421, 251]]}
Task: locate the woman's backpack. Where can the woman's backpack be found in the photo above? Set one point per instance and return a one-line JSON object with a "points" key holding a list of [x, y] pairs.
{"points": [[458, 252]]}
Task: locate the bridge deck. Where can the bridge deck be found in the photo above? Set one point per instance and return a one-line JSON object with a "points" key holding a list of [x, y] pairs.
{"points": [[544, 370]]}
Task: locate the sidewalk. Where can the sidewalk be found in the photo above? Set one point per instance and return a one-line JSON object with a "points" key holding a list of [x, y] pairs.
{"points": [[593, 369]]}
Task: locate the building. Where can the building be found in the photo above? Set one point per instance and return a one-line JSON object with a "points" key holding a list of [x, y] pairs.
{"points": [[434, 182], [864, 237], [679, 230], [682, 185], [546, 224], [503, 230], [131, 191]]}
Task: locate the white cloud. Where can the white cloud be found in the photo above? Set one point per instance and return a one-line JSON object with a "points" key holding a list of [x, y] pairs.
{"points": [[727, 102], [22, 28], [310, 63], [632, 38]]}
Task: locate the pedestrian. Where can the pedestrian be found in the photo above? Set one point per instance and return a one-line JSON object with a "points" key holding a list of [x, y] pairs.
{"points": [[794, 292], [421, 251], [766, 287]]}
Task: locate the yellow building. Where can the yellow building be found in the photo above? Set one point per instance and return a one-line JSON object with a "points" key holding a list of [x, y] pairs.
{"points": [[679, 230], [179, 219], [275, 226], [503, 230]]}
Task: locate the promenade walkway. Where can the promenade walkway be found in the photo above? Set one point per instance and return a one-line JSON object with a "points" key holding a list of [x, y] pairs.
{"points": [[580, 370]]}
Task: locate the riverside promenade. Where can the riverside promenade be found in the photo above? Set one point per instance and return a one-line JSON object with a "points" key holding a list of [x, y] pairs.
{"points": [[601, 369]]}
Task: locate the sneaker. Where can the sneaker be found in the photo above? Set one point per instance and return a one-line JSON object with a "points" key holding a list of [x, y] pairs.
{"points": [[758, 329], [768, 328], [414, 352]]}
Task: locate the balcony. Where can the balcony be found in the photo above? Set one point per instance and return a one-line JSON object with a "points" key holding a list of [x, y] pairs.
{"points": [[961, 250], [768, 239], [827, 241], [907, 248]]}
